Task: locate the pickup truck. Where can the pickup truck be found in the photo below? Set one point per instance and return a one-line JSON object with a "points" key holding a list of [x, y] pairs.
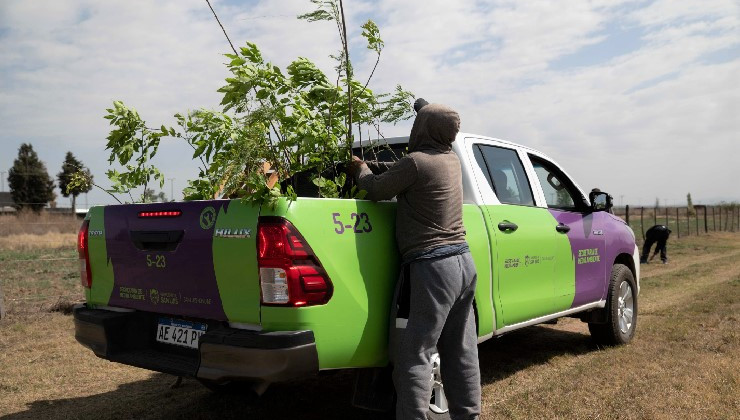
{"points": [[224, 292]]}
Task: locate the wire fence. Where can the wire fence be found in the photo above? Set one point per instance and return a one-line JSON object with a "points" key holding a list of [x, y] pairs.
{"points": [[682, 221]]}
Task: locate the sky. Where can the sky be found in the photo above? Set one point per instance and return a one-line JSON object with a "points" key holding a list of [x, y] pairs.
{"points": [[638, 98]]}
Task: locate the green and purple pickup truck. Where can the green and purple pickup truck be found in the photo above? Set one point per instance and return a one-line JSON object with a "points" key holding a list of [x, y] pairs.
{"points": [[224, 292]]}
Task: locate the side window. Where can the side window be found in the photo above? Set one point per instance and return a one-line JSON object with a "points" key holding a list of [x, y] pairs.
{"points": [[560, 193], [505, 174]]}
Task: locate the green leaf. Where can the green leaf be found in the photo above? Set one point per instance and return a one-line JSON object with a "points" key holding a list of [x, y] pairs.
{"points": [[237, 62], [372, 34]]}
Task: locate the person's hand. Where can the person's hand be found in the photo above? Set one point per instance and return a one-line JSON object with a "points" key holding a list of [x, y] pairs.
{"points": [[354, 167]]}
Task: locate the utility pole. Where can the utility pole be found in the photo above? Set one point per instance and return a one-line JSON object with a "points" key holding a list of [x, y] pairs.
{"points": [[172, 189], [2, 181]]}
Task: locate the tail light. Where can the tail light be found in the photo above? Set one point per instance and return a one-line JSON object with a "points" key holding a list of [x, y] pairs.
{"points": [[82, 250], [290, 273]]}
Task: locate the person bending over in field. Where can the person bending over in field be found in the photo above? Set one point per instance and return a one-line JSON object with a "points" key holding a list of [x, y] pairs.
{"points": [[657, 234]]}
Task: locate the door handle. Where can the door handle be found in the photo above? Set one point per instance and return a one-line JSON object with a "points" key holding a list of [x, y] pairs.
{"points": [[507, 226], [562, 228]]}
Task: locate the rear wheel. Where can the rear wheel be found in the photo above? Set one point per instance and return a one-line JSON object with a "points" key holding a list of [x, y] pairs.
{"points": [[438, 402], [621, 309]]}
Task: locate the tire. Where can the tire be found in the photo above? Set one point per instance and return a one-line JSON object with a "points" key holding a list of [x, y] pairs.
{"points": [[438, 403], [621, 310]]}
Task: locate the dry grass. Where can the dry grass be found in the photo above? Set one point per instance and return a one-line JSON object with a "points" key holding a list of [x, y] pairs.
{"points": [[36, 280], [28, 222], [684, 362], [28, 241]]}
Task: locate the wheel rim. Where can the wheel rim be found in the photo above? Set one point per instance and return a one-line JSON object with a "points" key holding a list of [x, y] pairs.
{"points": [[438, 402], [625, 307]]}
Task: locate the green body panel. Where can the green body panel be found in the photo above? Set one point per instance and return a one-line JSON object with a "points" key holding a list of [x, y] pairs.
{"points": [[529, 282], [100, 265], [235, 263], [351, 330], [481, 251], [564, 280]]}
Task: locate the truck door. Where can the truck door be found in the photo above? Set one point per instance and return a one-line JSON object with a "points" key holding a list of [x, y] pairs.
{"points": [[522, 235], [579, 279]]}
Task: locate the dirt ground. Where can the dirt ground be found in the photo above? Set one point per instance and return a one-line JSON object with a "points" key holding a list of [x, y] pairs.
{"points": [[683, 363]]}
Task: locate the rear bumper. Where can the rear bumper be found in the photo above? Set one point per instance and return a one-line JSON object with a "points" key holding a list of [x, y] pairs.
{"points": [[224, 354]]}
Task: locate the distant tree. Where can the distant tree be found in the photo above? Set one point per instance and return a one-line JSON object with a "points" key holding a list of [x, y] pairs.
{"points": [[70, 167], [150, 197], [690, 205], [30, 184]]}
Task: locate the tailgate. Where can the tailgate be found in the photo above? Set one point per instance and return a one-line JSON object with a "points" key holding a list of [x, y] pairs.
{"points": [[199, 263]]}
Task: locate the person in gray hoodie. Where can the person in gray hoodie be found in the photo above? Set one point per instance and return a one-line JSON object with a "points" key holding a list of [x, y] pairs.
{"points": [[433, 303]]}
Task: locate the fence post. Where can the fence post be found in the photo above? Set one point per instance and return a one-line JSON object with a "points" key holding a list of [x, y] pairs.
{"points": [[730, 218], [714, 222], [642, 225], [627, 214], [666, 216], [696, 218], [706, 225], [678, 223]]}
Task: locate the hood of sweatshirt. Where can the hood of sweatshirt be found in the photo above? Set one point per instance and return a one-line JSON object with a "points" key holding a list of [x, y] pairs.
{"points": [[434, 129]]}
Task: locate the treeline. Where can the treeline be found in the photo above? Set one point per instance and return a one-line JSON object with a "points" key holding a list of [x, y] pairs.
{"points": [[31, 187]]}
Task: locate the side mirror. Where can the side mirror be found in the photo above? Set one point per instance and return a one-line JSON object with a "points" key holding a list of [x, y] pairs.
{"points": [[600, 201]]}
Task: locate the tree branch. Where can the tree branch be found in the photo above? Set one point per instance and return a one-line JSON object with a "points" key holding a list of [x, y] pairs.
{"points": [[345, 41], [222, 27]]}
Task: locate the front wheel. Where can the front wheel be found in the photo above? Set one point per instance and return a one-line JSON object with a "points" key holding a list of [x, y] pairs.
{"points": [[621, 309]]}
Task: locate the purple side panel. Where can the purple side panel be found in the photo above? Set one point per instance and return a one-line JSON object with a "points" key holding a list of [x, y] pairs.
{"points": [[590, 276], [618, 238], [185, 281]]}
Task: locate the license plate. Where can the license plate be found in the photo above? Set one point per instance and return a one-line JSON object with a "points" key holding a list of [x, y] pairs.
{"points": [[179, 332]]}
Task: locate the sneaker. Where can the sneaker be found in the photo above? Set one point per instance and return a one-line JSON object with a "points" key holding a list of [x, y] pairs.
{"points": [[665, 262]]}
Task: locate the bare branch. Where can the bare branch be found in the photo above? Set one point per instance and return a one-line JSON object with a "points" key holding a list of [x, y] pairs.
{"points": [[222, 27], [349, 79]]}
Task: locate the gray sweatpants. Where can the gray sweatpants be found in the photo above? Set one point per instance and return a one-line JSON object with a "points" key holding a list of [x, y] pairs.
{"points": [[441, 319]]}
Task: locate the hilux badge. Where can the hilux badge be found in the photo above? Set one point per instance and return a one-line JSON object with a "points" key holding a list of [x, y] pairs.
{"points": [[232, 233]]}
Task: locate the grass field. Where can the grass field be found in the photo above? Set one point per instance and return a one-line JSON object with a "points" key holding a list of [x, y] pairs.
{"points": [[683, 363]]}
